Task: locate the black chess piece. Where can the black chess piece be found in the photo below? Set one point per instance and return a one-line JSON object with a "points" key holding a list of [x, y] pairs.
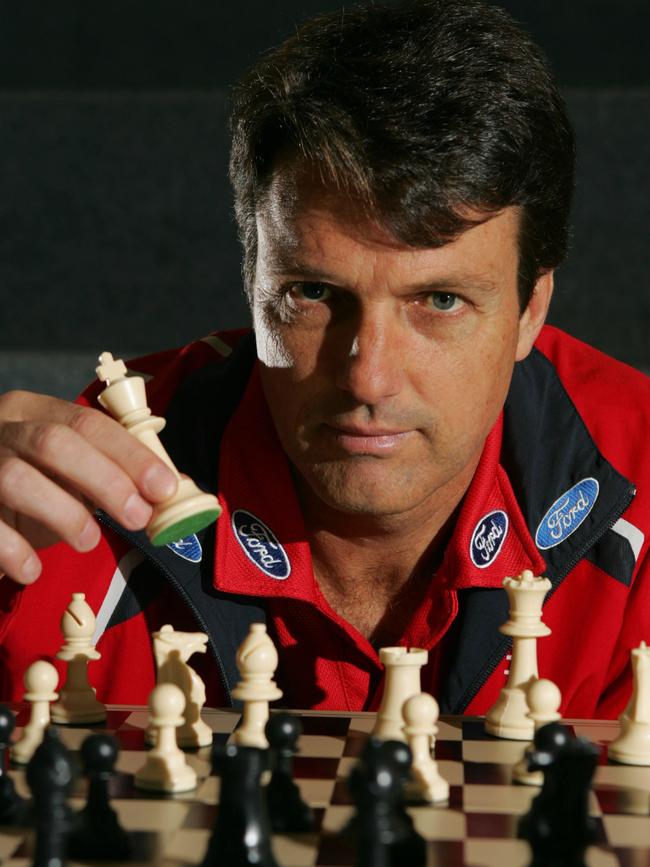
{"points": [[383, 829], [49, 776], [97, 833], [12, 806], [409, 847], [242, 831], [288, 812], [558, 826]]}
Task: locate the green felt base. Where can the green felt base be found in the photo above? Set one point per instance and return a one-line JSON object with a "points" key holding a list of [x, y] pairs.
{"points": [[186, 527]]}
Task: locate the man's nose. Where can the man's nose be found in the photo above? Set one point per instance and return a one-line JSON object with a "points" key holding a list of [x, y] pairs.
{"points": [[373, 369]]}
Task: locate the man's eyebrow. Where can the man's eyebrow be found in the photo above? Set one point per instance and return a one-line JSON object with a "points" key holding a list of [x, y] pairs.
{"points": [[452, 284]]}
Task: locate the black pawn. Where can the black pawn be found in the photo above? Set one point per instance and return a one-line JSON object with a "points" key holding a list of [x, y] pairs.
{"points": [[558, 826], [287, 810], [49, 776], [242, 831], [97, 832], [383, 829], [12, 806]]}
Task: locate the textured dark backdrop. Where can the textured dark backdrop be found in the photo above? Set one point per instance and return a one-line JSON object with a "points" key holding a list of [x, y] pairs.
{"points": [[115, 221]]}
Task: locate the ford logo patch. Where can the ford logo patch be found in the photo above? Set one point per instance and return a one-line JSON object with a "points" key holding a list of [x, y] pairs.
{"points": [[260, 545], [566, 514], [188, 548], [488, 537]]}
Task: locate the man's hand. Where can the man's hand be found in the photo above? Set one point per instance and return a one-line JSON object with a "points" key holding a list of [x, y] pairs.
{"points": [[58, 462]]}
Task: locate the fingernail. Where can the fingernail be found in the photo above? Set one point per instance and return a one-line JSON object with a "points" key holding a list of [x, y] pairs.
{"points": [[159, 482], [31, 569], [89, 536], [136, 511]]}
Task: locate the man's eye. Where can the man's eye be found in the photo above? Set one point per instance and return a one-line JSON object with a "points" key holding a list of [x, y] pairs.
{"points": [[444, 301], [311, 291]]}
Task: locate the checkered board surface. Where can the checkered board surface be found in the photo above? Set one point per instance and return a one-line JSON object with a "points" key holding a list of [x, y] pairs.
{"points": [[477, 827]]}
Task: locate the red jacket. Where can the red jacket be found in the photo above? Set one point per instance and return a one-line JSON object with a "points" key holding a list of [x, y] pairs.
{"points": [[561, 488]]}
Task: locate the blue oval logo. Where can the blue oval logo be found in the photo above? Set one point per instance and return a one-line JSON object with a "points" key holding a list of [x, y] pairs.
{"points": [[566, 514], [188, 548], [488, 538], [260, 545]]}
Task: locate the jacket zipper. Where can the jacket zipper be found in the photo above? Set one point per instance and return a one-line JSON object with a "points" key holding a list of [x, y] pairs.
{"points": [[104, 519], [502, 648]]}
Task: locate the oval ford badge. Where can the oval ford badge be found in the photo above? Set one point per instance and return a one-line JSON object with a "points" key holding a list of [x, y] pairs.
{"points": [[188, 548], [566, 514], [260, 545], [488, 537]]}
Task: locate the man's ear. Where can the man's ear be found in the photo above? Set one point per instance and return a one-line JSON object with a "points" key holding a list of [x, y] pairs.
{"points": [[534, 316]]}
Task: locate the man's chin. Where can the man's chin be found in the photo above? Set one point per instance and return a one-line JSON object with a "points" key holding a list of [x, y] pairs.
{"points": [[365, 493]]}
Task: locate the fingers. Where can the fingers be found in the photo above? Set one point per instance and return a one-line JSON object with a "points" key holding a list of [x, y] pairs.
{"points": [[18, 559], [58, 461], [64, 454], [27, 493], [36, 435], [154, 480]]}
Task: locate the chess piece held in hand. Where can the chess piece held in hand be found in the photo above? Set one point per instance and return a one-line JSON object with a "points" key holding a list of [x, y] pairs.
{"points": [[77, 702], [189, 509]]}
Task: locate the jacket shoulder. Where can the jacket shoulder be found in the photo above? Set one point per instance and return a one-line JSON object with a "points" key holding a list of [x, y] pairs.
{"points": [[613, 400], [166, 371]]}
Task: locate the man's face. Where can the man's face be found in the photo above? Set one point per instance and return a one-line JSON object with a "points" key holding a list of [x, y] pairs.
{"points": [[384, 367]]}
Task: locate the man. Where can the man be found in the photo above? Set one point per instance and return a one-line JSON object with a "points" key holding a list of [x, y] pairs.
{"points": [[402, 181]]}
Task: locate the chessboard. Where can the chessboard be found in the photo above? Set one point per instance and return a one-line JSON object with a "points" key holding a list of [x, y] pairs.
{"points": [[476, 827]]}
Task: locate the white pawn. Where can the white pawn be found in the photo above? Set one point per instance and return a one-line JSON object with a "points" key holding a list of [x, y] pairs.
{"points": [[257, 660], [166, 769], [401, 681], [632, 746], [78, 703], [421, 714], [41, 679], [544, 699]]}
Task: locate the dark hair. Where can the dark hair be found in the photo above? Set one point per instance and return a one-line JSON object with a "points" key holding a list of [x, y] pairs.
{"points": [[418, 110]]}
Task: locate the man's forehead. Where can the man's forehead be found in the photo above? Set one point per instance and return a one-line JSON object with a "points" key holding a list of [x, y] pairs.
{"points": [[297, 200]]}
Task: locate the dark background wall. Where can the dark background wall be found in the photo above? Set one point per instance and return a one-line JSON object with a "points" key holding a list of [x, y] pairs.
{"points": [[115, 221]]}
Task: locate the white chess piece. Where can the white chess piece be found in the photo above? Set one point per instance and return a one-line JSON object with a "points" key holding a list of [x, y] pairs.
{"points": [[544, 699], [172, 650], [77, 702], [421, 714], [401, 681], [508, 717], [165, 769], [189, 509], [40, 679], [257, 660], [632, 746]]}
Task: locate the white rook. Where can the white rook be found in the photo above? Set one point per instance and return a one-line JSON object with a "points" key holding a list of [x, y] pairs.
{"points": [[401, 681]]}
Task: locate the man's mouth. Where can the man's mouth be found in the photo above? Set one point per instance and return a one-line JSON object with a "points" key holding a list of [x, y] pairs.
{"points": [[367, 439]]}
